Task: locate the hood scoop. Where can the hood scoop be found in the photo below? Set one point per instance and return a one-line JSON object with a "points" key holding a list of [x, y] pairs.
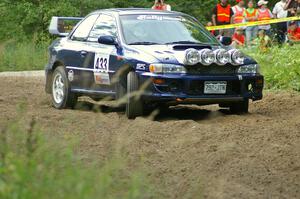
{"points": [[183, 47]]}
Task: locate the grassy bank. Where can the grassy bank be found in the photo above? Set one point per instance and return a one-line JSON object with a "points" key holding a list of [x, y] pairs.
{"points": [[280, 66], [34, 166], [22, 56]]}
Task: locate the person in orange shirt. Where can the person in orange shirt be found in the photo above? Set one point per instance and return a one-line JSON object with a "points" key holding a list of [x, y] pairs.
{"points": [[222, 15], [238, 11], [264, 13], [294, 33], [251, 15], [238, 38]]}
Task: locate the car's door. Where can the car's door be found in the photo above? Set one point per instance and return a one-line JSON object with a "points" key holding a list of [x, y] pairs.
{"points": [[104, 56], [77, 55]]}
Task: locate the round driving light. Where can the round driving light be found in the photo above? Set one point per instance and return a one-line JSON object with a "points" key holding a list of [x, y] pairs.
{"points": [[207, 57], [237, 57], [192, 56], [222, 56]]}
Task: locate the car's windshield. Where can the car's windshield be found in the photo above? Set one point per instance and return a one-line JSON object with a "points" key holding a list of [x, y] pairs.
{"points": [[163, 29]]}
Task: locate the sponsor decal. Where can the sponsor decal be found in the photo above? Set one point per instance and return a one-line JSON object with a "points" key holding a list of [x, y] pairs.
{"points": [[140, 66], [101, 69], [71, 75], [102, 78]]}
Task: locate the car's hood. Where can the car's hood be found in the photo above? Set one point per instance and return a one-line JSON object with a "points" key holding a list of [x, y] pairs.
{"points": [[164, 53], [161, 53]]}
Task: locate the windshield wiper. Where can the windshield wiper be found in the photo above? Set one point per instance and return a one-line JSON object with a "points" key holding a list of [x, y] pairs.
{"points": [[183, 42], [143, 43]]}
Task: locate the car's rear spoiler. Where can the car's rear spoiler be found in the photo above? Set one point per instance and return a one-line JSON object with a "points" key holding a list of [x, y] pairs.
{"points": [[62, 26]]}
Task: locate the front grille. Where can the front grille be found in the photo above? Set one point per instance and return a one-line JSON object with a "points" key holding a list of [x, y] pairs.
{"points": [[213, 69]]}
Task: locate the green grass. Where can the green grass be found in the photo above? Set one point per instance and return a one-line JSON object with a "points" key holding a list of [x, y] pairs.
{"points": [[280, 66], [34, 166], [22, 56]]}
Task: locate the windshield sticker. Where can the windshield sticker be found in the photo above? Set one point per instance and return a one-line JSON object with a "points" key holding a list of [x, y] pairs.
{"points": [[159, 18]]}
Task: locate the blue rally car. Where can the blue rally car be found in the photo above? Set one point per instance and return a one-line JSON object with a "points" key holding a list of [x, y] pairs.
{"points": [[148, 59]]}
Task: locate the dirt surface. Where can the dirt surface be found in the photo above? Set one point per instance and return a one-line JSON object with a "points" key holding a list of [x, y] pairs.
{"points": [[187, 152]]}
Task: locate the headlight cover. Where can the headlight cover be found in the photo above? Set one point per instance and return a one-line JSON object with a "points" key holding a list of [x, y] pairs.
{"points": [[207, 57], [249, 69], [167, 68], [192, 57], [237, 57], [222, 56]]}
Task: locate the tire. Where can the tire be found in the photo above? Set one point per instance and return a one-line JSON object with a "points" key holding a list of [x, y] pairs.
{"points": [[240, 107], [62, 97], [134, 105]]}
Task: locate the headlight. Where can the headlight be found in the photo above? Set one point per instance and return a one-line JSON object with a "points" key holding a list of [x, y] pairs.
{"points": [[249, 69], [192, 56], [222, 56], [237, 57], [166, 68], [207, 57]]}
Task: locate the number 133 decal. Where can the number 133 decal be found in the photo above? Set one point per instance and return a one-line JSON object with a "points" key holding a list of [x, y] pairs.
{"points": [[101, 68]]}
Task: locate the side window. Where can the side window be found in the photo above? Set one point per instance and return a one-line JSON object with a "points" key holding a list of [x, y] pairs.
{"points": [[105, 26], [83, 30]]}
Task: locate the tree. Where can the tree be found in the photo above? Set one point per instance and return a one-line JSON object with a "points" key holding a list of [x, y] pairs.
{"points": [[27, 19]]}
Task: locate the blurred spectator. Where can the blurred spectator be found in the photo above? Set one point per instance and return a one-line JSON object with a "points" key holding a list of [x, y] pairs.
{"points": [[238, 11], [293, 8], [264, 13], [222, 15], [250, 15], [238, 38], [293, 33], [263, 41], [161, 5], [213, 32], [280, 12]]}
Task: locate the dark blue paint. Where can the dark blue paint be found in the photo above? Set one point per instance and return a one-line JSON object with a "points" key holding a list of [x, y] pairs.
{"points": [[125, 58]]}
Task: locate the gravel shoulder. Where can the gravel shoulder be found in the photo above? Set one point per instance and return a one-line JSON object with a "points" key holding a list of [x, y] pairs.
{"points": [[188, 151]]}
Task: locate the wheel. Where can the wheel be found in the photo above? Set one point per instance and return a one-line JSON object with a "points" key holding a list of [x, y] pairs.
{"points": [[134, 104], [62, 97], [240, 107]]}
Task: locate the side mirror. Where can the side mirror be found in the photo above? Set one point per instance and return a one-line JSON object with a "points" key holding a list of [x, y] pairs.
{"points": [[107, 40], [226, 41], [62, 26]]}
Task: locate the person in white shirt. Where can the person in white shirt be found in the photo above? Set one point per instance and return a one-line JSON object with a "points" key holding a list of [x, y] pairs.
{"points": [[279, 12]]}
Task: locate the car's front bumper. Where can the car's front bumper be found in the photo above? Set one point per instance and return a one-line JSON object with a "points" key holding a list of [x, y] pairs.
{"points": [[180, 89]]}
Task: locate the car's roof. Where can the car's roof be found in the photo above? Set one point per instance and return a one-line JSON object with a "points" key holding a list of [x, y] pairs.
{"points": [[129, 11]]}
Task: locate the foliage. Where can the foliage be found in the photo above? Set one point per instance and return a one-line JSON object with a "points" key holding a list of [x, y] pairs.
{"points": [[280, 66], [18, 56], [30, 18], [35, 166]]}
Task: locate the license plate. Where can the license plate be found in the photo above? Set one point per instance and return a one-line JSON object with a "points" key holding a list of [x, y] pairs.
{"points": [[215, 87]]}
